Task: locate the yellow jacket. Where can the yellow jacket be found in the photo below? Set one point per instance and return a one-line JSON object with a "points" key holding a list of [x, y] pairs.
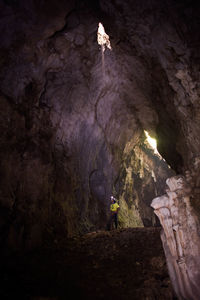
{"points": [[114, 207]]}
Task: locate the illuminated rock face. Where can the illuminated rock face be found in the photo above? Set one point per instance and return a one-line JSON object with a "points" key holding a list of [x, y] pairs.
{"points": [[75, 136], [180, 237]]}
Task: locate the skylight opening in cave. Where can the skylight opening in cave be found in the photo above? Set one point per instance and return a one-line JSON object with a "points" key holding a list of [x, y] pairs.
{"points": [[103, 38]]}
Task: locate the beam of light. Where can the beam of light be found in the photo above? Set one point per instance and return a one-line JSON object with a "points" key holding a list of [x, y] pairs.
{"points": [[103, 38]]}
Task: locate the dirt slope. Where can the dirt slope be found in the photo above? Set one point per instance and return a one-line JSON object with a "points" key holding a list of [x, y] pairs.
{"points": [[120, 264]]}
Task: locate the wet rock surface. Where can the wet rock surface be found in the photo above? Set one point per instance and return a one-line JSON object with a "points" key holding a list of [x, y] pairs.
{"points": [[118, 264]]}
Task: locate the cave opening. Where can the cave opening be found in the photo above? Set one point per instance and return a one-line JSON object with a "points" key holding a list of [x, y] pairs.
{"points": [[152, 142]]}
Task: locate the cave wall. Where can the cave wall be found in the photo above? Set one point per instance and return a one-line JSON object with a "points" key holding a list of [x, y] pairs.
{"points": [[142, 175], [165, 37], [72, 133]]}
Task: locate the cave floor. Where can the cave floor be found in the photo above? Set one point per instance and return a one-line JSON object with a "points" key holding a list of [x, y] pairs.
{"points": [[119, 264]]}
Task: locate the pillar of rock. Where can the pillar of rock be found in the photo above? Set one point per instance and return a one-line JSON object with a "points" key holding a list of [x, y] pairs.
{"points": [[180, 237]]}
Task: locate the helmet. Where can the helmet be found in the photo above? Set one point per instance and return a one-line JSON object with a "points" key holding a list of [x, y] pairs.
{"points": [[112, 199]]}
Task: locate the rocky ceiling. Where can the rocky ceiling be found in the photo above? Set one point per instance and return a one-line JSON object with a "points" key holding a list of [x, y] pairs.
{"points": [[72, 126]]}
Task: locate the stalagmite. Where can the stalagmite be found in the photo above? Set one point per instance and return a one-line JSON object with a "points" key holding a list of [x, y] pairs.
{"points": [[180, 237]]}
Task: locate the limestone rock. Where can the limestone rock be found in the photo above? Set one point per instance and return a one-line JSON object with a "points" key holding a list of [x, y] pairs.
{"points": [[180, 237]]}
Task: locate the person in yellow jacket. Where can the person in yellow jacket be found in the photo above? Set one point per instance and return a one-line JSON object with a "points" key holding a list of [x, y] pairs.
{"points": [[114, 208]]}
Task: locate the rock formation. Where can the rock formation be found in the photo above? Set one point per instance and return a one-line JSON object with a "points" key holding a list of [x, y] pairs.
{"points": [[180, 237]]}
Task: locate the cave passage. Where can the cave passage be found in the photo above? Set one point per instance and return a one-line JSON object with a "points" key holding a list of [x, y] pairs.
{"points": [[76, 138]]}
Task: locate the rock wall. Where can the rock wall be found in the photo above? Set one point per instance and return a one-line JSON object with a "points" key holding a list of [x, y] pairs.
{"points": [[71, 132], [142, 175]]}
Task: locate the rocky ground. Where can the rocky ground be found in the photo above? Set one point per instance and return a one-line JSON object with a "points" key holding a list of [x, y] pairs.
{"points": [[119, 264]]}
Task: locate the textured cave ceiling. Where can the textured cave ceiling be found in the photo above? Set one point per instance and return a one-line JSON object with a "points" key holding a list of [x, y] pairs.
{"points": [[70, 134]]}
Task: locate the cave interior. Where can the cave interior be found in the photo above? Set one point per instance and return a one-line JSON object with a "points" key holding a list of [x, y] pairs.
{"points": [[76, 118]]}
